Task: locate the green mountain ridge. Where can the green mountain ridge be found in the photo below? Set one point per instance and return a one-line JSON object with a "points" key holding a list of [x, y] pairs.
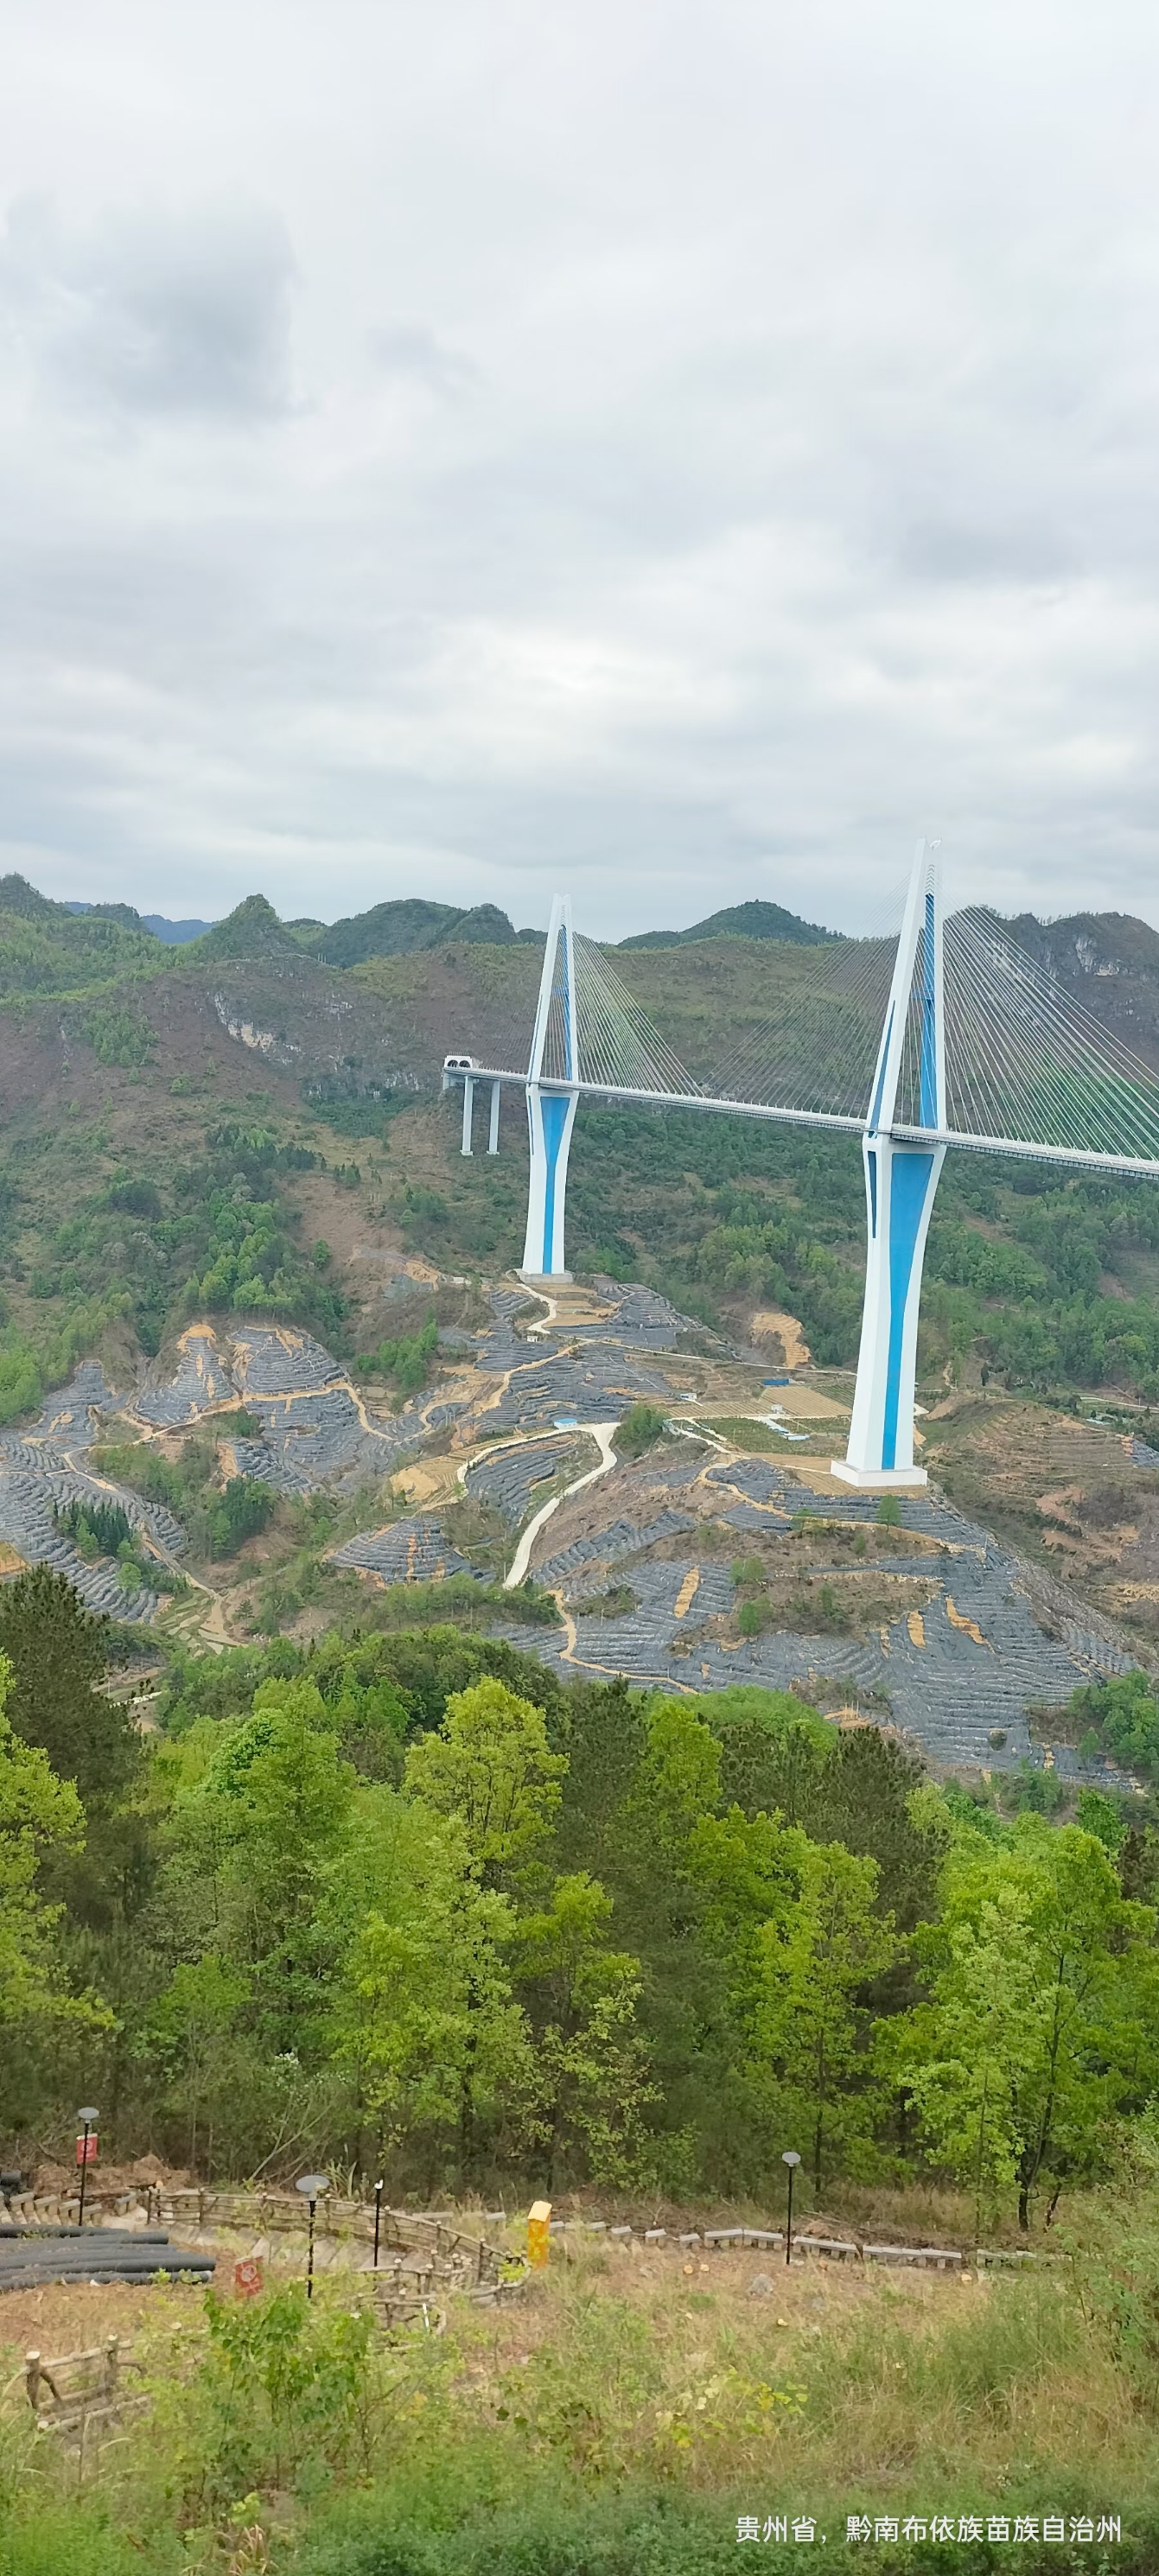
{"points": [[755, 920], [251, 930], [45, 948], [398, 927], [1084, 950]]}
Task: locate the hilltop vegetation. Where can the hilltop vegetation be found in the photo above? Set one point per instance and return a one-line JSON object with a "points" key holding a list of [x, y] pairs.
{"points": [[46, 949], [739, 921], [210, 1234], [251, 930], [397, 929]]}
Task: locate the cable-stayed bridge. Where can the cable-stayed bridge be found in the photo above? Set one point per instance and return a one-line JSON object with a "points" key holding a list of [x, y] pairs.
{"points": [[943, 1034]]}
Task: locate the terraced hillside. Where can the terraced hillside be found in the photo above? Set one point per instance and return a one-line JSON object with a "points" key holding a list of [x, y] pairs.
{"points": [[726, 1552]]}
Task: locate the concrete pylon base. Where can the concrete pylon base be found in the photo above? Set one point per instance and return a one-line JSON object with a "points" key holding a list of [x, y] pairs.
{"points": [[879, 1480], [546, 1278]]}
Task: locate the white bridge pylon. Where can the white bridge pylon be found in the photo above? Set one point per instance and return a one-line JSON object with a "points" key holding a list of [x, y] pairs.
{"points": [[900, 1181], [551, 1107], [971, 1045]]}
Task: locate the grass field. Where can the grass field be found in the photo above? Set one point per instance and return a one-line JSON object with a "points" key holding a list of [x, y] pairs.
{"points": [[621, 2416]]}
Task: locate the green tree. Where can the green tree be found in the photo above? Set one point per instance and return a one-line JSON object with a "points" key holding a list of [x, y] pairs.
{"points": [[490, 1765], [775, 1752], [39, 1814], [678, 1778], [749, 1871], [641, 1428], [1103, 1817], [255, 1845], [371, 1720], [244, 1506], [58, 1652], [591, 2058], [194, 2033], [1124, 1713], [811, 2022], [1040, 2022], [657, 1783], [874, 1797], [603, 1732], [426, 2023]]}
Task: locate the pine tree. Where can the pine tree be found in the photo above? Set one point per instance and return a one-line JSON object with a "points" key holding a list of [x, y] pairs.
{"points": [[58, 1651]]}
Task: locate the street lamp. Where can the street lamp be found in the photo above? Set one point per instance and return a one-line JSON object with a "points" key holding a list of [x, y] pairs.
{"points": [[377, 2219], [792, 2161], [89, 2115], [312, 2187]]}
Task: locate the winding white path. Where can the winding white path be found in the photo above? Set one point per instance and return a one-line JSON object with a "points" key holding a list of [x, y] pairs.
{"points": [[604, 1433]]}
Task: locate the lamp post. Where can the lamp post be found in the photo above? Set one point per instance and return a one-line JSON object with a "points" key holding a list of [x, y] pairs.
{"points": [[88, 2116], [312, 2187], [792, 2161], [377, 2219]]}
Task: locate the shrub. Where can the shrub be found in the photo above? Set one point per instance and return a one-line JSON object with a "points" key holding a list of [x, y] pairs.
{"points": [[244, 1507], [1123, 1717], [118, 1035], [640, 1429], [406, 1362], [287, 2386], [832, 1609]]}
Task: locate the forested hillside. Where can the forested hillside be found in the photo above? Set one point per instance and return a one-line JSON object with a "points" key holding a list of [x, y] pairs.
{"points": [[406, 1897]]}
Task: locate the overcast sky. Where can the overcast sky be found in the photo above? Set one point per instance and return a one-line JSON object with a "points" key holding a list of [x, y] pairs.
{"points": [[677, 450]]}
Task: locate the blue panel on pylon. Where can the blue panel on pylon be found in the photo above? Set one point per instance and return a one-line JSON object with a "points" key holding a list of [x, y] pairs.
{"points": [[554, 1112], [909, 1183]]}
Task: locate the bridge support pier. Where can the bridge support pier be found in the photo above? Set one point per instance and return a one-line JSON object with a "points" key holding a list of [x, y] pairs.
{"points": [[900, 1182], [551, 1103], [493, 1130], [468, 1114], [550, 1119]]}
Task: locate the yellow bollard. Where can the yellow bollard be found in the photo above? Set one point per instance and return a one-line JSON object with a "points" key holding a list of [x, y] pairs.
{"points": [[538, 2233]]}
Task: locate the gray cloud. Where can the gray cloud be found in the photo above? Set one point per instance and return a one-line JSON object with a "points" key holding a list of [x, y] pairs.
{"points": [[405, 350], [955, 550], [152, 311]]}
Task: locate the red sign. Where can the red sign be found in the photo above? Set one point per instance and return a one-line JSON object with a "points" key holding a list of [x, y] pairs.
{"points": [[247, 2278], [86, 2149]]}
